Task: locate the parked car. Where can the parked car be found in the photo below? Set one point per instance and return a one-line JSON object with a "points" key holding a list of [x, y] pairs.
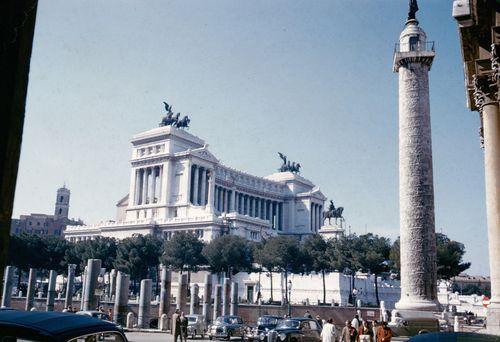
{"points": [[196, 326], [226, 327], [94, 313], [413, 326], [56, 327], [264, 325], [296, 329]]}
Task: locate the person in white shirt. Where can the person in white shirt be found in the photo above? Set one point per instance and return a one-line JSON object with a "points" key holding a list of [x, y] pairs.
{"points": [[328, 331]]}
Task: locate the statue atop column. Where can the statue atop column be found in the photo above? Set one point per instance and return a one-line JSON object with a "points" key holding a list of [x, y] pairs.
{"points": [[413, 8], [287, 165], [174, 120]]}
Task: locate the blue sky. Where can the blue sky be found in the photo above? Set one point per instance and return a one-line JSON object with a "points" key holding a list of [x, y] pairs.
{"points": [[312, 79]]}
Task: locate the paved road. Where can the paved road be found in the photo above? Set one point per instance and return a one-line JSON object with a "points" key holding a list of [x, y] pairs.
{"points": [[156, 337]]}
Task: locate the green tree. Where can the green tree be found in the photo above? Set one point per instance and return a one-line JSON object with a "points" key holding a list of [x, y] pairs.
{"points": [[373, 256], [183, 252], [228, 253], [449, 257], [395, 257], [104, 248], [55, 253], [315, 251]]}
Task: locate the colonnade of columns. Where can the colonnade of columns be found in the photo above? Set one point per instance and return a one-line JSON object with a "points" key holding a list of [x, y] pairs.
{"points": [[230, 200], [148, 185], [199, 188], [316, 216]]}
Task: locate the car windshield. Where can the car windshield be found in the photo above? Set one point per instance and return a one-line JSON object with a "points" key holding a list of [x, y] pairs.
{"points": [[288, 323], [267, 321], [228, 320], [191, 319]]}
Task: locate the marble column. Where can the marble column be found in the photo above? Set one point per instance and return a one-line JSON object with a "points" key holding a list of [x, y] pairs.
{"points": [[211, 191], [165, 290], [30, 295], [232, 206], [112, 283], [217, 301], [253, 214], [182, 292], [158, 191], [144, 304], [247, 205], [416, 185], [226, 296], [196, 179], [226, 201], [120, 309], [7, 286], [278, 215], [187, 181], [203, 194], [51, 291], [137, 186], [194, 303], [93, 270], [233, 310], [144, 186], [207, 297], [486, 98], [167, 176]]}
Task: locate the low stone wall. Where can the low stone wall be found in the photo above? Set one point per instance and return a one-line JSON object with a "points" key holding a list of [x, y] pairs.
{"points": [[249, 312]]}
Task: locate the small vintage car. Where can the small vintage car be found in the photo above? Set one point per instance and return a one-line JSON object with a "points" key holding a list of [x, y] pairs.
{"points": [[225, 327], [264, 325], [196, 326], [56, 327], [407, 327], [296, 329]]}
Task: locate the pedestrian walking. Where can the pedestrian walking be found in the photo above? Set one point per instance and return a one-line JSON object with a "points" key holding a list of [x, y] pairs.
{"points": [[176, 325], [349, 334], [328, 331], [375, 326], [320, 321], [384, 333], [355, 322], [184, 326], [110, 314], [365, 332]]}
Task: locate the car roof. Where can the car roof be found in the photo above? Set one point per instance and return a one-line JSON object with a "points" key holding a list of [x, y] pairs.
{"points": [[230, 316], [300, 319], [50, 324], [271, 316]]}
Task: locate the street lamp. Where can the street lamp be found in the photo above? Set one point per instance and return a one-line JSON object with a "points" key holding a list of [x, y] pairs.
{"points": [[289, 296]]}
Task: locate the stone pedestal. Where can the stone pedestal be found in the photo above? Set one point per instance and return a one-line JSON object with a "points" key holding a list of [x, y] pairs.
{"points": [[51, 292], [226, 296], [145, 303], [233, 309], [30, 296], [207, 297], [121, 298], [165, 288], [93, 270], [217, 301], [193, 305], [68, 301], [181, 299]]}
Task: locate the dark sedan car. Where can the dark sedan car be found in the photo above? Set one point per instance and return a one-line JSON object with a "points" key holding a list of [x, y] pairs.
{"points": [[56, 327], [226, 327], [264, 325], [296, 329]]}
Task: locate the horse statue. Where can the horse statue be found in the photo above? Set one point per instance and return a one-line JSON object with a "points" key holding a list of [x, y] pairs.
{"points": [[288, 165], [183, 123], [333, 212], [173, 120]]}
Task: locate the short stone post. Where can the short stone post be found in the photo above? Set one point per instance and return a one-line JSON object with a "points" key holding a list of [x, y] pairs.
{"points": [[130, 320], [93, 270], [226, 296], [217, 300], [182, 292], [233, 309], [193, 305], [121, 298], [30, 296], [207, 297], [7, 286], [145, 303], [456, 324], [84, 280], [163, 324], [51, 291], [112, 284], [70, 285], [165, 288]]}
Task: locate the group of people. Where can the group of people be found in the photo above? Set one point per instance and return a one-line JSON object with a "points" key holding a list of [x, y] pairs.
{"points": [[354, 330], [179, 326]]}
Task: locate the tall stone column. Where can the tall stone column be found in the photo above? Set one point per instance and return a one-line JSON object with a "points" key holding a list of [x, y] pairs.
{"points": [[70, 285], [144, 187], [195, 185], [137, 186], [166, 176], [153, 184], [193, 305], [188, 182], [203, 194], [144, 316], [7, 286], [226, 296], [30, 295], [207, 297], [112, 283], [486, 98], [233, 310], [165, 288], [412, 60], [93, 270], [182, 292], [121, 298], [51, 291], [217, 301], [232, 202]]}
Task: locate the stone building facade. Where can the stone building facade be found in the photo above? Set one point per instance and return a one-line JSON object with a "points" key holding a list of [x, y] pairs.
{"points": [[177, 184], [43, 224], [479, 31]]}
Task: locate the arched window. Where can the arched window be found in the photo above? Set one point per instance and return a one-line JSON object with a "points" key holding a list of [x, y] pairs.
{"points": [[60, 211], [61, 199], [414, 43]]}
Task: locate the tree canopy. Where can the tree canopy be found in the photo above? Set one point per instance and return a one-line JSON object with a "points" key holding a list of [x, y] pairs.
{"points": [[183, 252], [228, 252]]}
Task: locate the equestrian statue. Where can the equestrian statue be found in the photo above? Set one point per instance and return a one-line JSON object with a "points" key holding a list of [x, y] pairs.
{"points": [[333, 212], [173, 120], [287, 165]]}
